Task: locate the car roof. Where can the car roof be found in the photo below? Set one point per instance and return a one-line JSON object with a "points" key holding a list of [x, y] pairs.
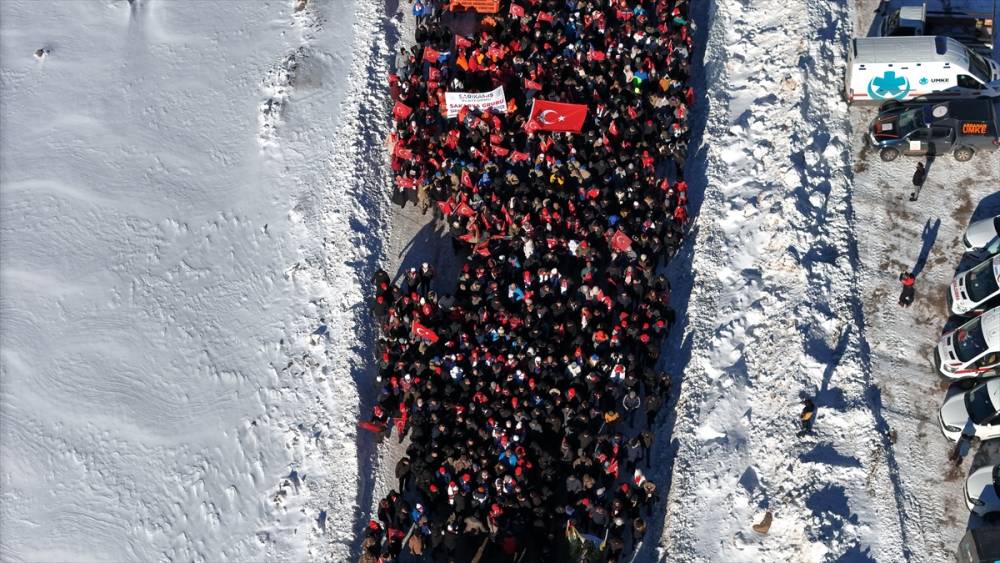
{"points": [[920, 48], [991, 329], [974, 109], [912, 12], [993, 388]]}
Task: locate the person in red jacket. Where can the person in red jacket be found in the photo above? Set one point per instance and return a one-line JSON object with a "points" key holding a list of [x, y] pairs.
{"points": [[909, 291]]}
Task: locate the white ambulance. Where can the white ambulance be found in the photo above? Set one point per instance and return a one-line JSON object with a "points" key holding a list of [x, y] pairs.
{"points": [[973, 290], [971, 350], [881, 69]]}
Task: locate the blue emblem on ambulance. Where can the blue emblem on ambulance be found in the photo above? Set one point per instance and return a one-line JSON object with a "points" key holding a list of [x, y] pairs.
{"points": [[888, 87]]}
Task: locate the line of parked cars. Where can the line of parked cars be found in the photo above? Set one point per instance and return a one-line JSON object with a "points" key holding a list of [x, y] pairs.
{"points": [[970, 356]]}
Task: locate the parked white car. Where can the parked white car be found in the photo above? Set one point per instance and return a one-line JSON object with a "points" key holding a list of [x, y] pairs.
{"points": [[971, 350], [982, 490], [974, 413], [974, 288], [983, 234]]}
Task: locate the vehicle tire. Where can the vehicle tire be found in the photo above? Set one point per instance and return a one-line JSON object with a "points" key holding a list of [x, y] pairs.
{"points": [[890, 105], [964, 154], [888, 154]]}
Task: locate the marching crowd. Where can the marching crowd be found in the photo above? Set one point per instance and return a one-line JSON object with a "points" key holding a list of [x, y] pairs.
{"points": [[529, 394]]}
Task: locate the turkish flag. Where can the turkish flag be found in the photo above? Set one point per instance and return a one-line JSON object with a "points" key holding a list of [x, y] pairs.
{"points": [[516, 11], [401, 111], [462, 42], [544, 17], [620, 241], [445, 207], [531, 85], [518, 156], [464, 210], [431, 54], [556, 116], [404, 153], [420, 331]]}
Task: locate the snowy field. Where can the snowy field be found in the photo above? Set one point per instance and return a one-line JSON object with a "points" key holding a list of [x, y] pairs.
{"points": [[187, 195]]}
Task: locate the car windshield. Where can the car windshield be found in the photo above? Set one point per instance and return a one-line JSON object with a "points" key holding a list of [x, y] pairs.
{"points": [[979, 67], [969, 341], [981, 282], [977, 402], [909, 120]]}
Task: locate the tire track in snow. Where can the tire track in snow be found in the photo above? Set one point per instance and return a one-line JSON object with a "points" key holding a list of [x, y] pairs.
{"points": [[773, 314]]}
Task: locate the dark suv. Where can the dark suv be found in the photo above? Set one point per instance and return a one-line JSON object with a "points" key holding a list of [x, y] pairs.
{"points": [[961, 127]]}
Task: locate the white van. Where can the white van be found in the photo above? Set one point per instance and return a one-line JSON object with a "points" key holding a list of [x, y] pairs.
{"points": [[880, 69], [971, 350], [971, 289]]}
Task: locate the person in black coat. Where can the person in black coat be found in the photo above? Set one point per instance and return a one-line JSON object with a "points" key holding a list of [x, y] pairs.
{"points": [[403, 473]]}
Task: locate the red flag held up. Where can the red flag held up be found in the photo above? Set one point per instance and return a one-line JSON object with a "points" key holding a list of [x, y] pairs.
{"points": [[620, 242], [557, 116], [518, 156], [462, 42], [404, 153], [516, 11], [531, 85], [431, 55], [401, 111], [420, 331]]}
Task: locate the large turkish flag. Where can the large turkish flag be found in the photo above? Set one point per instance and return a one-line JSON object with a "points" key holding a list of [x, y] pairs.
{"points": [[556, 116]]}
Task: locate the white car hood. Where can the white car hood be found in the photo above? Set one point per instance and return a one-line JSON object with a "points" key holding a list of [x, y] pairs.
{"points": [[980, 233], [953, 412], [980, 485]]}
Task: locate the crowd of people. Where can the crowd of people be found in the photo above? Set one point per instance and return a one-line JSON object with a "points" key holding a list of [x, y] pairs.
{"points": [[530, 392]]}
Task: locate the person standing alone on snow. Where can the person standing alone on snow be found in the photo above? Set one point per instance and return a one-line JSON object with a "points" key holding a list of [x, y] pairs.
{"points": [[919, 177], [807, 417], [909, 291]]}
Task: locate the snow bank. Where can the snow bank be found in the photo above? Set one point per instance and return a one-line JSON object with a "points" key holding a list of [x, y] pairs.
{"points": [[190, 207], [774, 313]]}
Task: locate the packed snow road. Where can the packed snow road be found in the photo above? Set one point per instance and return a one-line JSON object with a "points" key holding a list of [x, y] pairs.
{"points": [[187, 197]]}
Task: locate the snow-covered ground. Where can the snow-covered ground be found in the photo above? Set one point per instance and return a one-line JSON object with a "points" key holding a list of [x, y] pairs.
{"points": [[774, 314], [189, 190], [799, 241]]}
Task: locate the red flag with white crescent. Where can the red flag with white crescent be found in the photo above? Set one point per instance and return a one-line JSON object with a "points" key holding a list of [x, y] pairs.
{"points": [[557, 116], [431, 55], [620, 241], [422, 332], [401, 111]]}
